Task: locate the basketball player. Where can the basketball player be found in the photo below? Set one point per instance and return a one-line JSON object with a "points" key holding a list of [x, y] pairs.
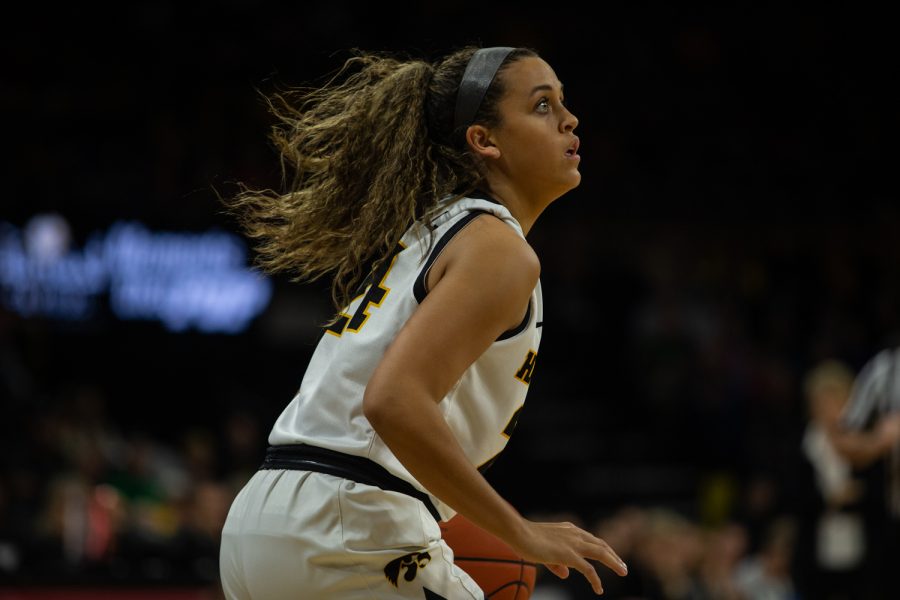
{"points": [[433, 175]]}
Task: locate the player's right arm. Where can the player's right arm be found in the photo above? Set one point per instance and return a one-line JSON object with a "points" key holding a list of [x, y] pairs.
{"points": [[479, 288]]}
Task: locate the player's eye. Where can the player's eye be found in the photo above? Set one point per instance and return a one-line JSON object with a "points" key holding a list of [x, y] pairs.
{"points": [[543, 105]]}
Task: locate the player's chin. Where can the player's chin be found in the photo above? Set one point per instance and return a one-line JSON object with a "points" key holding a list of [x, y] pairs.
{"points": [[566, 182], [577, 178], [572, 180]]}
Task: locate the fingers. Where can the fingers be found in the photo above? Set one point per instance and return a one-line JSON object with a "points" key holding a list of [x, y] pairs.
{"points": [[585, 568], [605, 554], [561, 571], [578, 547], [596, 548]]}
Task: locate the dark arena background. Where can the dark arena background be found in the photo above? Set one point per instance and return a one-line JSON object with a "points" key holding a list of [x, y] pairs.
{"points": [[737, 225]]}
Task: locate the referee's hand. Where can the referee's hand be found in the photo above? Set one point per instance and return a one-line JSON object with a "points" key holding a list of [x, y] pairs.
{"points": [[888, 430]]}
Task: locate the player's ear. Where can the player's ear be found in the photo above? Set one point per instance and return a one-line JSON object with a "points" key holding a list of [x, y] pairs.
{"points": [[479, 139]]}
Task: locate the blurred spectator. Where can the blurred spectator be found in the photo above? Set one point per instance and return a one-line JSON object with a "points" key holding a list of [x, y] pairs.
{"points": [[624, 530], [758, 504], [137, 481], [195, 546], [723, 549], [200, 454], [77, 532], [242, 446], [669, 550], [10, 536], [838, 548], [766, 574]]}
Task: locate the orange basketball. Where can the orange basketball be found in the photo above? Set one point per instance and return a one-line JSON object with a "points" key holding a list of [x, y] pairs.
{"points": [[495, 567]]}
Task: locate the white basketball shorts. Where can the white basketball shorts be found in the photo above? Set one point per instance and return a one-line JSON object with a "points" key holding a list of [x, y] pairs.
{"points": [[303, 535]]}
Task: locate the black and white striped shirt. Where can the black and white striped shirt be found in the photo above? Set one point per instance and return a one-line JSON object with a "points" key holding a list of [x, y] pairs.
{"points": [[876, 392]]}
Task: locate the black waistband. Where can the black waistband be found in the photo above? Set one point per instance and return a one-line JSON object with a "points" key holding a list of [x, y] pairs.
{"points": [[303, 457]]}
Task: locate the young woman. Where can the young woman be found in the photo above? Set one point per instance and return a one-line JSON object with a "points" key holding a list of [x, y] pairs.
{"points": [[415, 184]]}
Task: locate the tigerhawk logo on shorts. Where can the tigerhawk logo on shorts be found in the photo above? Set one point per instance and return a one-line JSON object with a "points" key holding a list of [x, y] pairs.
{"points": [[412, 562]]}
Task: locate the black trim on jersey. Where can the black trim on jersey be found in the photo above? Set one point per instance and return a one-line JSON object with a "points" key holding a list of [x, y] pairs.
{"points": [[475, 194], [304, 457], [483, 468], [419, 290], [520, 327]]}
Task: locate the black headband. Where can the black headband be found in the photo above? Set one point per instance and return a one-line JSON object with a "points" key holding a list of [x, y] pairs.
{"points": [[475, 82]]}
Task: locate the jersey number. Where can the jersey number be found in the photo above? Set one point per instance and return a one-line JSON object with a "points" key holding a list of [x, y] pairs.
{"points": [[374, 297], [507, 432]]}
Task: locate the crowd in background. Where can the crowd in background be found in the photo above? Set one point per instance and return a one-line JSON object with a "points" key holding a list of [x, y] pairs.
{"points": [[736, 226]]}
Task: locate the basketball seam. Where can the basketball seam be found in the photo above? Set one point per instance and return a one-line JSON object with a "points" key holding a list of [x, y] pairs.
{"points": [[519, 584]]}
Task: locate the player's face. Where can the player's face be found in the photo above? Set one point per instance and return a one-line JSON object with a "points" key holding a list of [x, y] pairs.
{"points": [[538, 149]]}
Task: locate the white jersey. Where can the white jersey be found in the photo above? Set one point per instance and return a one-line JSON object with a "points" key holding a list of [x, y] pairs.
{"points": [[481, 408]]}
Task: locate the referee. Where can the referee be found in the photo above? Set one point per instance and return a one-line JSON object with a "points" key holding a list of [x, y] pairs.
{"points": [[869, 438]]}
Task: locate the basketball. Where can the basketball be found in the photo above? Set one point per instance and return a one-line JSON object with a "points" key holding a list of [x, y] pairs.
{"points": [[495, 567]]}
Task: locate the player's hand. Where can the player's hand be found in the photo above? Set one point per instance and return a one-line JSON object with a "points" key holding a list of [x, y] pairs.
{"points": [[560, 546]]}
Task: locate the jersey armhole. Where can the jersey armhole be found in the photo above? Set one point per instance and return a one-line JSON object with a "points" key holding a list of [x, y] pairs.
{"points": [[518, 328], [420, 287]]}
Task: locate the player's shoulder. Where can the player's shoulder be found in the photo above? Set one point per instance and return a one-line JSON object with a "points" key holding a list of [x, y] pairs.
{"points": [[491, 242]]}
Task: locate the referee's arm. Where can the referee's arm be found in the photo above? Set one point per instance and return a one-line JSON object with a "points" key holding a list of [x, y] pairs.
{"points": [[862, 448], [873, 400]]}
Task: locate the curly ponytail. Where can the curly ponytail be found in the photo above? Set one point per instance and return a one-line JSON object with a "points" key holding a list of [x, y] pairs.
{"points": [[362, 157]]}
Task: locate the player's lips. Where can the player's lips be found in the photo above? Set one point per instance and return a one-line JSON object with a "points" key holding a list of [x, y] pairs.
{"points": [[572, 151]]}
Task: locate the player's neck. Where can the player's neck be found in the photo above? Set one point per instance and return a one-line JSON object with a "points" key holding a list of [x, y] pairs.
{"points": [[523, 209]]}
